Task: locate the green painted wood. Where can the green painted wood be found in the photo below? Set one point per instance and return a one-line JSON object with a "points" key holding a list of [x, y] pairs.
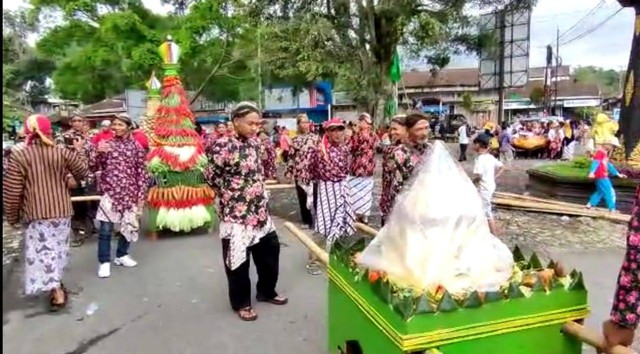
{"points": [[348, 322]]}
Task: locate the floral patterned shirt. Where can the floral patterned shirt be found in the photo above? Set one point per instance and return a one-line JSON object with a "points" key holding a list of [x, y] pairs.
{"points": [[334, 167], [400, 165], [387, 176], [300, 155], [235, 173], [626, 301], [363, 151], [123, 174], [269, 159]]}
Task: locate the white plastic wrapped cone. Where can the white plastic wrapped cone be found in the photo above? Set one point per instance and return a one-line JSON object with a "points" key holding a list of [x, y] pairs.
{"points": [[437, 234]]}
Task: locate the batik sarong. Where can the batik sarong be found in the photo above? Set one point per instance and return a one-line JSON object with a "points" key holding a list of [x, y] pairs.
{"points": [[361, 194], [46, 254], [334, 213]]}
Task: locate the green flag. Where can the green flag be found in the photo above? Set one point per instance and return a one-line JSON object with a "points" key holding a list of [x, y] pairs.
{"points": [[394, 71]]}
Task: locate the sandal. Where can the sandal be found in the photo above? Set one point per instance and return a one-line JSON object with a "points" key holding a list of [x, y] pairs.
{"points": [[247, 314], [313, 268], [54, 305], [276, 300]]}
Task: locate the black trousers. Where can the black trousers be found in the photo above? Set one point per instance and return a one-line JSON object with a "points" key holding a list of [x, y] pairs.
{"points": [[266, 256], [305, 213], [463, 152]]}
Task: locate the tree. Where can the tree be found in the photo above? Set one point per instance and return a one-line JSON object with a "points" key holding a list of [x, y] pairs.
{"points": [[537, 96], [608, 81], [467, 102], [353, 42], [24, 81], [104, 47]]}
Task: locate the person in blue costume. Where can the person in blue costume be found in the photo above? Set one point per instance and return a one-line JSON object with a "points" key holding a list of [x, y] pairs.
{"points": [[601, 170]]}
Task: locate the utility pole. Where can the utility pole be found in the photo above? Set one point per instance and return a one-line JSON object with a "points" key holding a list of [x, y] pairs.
{"points": [[259, 70], [502, 26]]}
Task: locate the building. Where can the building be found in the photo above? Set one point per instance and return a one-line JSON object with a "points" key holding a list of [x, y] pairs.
{"points": [[284, 102]]}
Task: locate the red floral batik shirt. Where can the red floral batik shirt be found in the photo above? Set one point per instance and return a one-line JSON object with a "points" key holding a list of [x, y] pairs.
{"points": [[400, 165], [363, 152], [626, 301], [268, 159], [235, 173], [387, 176], [300, 155], [332, 167]]}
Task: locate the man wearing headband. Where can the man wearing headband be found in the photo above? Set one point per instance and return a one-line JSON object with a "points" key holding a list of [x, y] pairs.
{"points": [[397, 136], [363, 162], [83, 211], [35, 192], [236, 175], [330, 168], [123, 178]]}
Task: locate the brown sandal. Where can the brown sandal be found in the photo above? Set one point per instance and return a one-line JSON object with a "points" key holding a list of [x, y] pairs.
{"points": [[55, 305], [247, 314], [277, 300]]}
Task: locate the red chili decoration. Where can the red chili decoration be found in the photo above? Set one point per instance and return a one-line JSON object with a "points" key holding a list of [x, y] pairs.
{"points": [[173, 160]]}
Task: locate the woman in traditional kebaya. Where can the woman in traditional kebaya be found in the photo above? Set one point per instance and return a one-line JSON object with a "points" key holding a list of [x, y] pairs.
{"points": [[124, 181], [363, 163], [397, 135], [298, 167], [406, 156], [245, 224], [36, 192]]}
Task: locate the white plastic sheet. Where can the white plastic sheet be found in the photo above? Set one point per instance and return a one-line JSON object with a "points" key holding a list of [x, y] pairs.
{"points": [[437, 234]]}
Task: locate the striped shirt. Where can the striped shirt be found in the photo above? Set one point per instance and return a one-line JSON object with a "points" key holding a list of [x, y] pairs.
{"points": [[35, 184]]}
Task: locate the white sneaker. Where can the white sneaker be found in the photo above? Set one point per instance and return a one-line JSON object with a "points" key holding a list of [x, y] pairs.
{"points": [[104, 271], [125, 261]]}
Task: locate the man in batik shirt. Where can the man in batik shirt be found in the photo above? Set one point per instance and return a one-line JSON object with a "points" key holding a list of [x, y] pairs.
{"points": [[397, 136], [625, 312], [363, 162], [407, 156], [298, 167], [236, 175], [329, 169], [83, 212]]}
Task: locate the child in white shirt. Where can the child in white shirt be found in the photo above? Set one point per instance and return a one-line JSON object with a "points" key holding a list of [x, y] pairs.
{"points": [[485, 171]]}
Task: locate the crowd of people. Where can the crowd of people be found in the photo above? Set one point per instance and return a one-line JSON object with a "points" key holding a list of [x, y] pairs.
{"points": [[332, 172]]}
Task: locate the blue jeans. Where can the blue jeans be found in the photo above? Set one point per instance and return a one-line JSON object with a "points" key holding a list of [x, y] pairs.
{"points": [[104, 243], [604, 189]]}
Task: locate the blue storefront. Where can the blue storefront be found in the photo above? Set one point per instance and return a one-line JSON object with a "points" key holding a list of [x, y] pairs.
{"points": [[285, 101]]}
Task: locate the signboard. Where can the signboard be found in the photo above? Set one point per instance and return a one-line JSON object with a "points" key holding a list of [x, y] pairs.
{"points": [[513, 38], [581, 103], [519, 105], [136, 103]]}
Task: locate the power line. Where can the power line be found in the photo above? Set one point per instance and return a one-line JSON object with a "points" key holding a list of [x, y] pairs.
{"points": [[592, 29], [594, 9]]}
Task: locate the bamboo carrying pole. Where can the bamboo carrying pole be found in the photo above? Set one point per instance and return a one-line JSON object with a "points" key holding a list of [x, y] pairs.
{"points": [[89, 198], [579, 332]]}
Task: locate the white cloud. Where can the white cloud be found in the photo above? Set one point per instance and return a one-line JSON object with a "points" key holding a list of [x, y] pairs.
{"points": [[608, 46]]}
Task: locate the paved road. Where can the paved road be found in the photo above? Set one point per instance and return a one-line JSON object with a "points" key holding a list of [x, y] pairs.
{"points": [[175, 301]]}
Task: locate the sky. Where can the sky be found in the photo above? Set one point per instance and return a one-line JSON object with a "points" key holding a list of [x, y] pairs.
{"points": [[606, 47]]}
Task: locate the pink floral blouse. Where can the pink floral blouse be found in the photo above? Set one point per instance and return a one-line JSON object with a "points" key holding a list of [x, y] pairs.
{"points": [[300, 155], [123, 174], [626, 301], [235, 173], [363, 152], [334, 167], [387, 176], [399, 167], [269, 159]]}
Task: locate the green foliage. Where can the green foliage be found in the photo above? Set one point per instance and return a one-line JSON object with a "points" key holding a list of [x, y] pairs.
{"points": [[104, 47], [581, 162], [467, 101], [537, 96], [609, 81]]}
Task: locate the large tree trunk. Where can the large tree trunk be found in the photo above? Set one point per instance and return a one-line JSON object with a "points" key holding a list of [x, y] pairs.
{"points": [[630, 112]]}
